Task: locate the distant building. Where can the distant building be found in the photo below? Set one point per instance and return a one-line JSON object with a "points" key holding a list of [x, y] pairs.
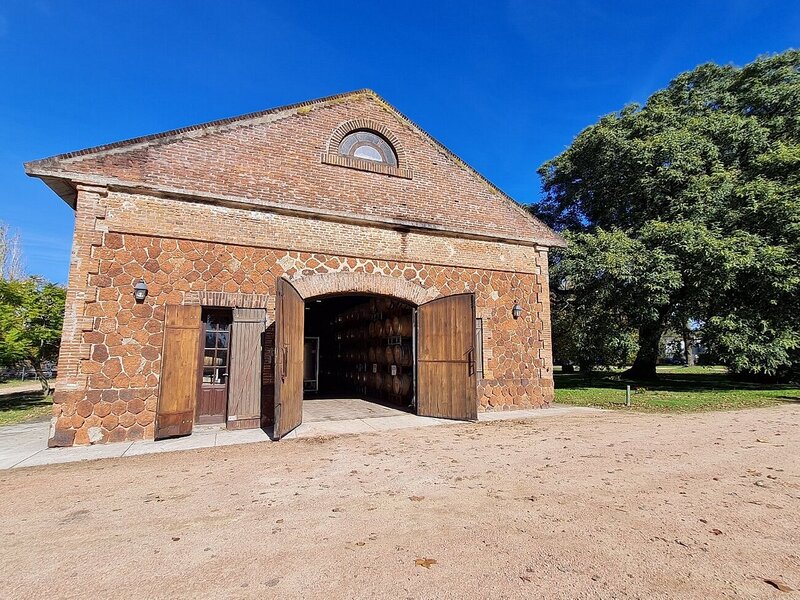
{"points": [[673, 349]]}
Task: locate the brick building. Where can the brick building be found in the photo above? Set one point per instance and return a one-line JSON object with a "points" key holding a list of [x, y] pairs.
{"points": [[323, 248]]}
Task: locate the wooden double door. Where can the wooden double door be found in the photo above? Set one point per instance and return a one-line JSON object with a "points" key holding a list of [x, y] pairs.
{"points": [[211, 369], [446, 378], [228, 383]]}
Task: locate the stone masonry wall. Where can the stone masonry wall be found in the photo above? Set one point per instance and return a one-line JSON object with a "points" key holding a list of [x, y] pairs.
{"points": [[109, 370]]}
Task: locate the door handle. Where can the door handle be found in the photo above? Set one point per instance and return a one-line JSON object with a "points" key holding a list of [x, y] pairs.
{"points": [[471, 362], [285, 362]]}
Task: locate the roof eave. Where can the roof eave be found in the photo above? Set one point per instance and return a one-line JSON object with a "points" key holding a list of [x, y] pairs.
{"points": [[63, 187]]}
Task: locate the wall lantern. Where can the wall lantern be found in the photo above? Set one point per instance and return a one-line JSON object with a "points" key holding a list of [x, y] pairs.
{"points": [[516, 311], [140, 290]]}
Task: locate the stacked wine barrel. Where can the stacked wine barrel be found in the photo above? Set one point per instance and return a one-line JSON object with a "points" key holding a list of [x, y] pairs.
{"points": [[375, 347]]}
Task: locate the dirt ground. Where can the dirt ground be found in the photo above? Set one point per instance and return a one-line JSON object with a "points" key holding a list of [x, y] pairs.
{"points": [[607, 505]]}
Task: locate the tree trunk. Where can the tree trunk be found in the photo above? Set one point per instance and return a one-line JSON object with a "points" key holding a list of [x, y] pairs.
{"points": [[644, 367], [688, 352], [37, 367]]}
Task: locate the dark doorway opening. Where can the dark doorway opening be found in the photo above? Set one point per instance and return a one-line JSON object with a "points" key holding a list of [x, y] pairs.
{"points": [[360, 347]]}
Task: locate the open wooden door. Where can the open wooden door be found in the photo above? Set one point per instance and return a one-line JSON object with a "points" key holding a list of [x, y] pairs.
{"points": [[180, 377], [244, 390], [289, 339], [446, 380]]}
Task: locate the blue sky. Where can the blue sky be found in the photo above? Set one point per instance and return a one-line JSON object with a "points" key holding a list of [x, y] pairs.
{"points": [[505, 85]]}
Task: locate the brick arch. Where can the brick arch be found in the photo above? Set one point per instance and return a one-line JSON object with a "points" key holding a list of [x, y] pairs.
{"points": [[325, 284], [356, 124]]}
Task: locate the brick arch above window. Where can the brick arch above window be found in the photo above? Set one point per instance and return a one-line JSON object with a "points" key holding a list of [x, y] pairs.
{"points": [[331, 156]]}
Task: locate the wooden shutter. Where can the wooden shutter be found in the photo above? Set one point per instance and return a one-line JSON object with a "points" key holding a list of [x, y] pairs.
{"points": [[289, 339], [446, 380], [244, 383], [180, 373]]}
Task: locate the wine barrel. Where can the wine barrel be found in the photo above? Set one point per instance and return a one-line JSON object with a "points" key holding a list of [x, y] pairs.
{"points": [[398, 354], [396, 325], [388, 355], [407, 356], [404, 328], [388, 327], [371, 354], [377, 380], [387, 384], [405, 384], [396, 384], [371, 329]]}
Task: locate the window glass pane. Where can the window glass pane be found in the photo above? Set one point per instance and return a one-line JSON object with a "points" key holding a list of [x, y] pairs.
{"points": [[347, 145], [219, 376], [208, 375], [222, 339], [211, 339], [368, 153]]}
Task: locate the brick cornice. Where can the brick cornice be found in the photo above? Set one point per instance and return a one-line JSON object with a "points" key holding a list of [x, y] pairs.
{"points": [[116, 184], [100, 190]]}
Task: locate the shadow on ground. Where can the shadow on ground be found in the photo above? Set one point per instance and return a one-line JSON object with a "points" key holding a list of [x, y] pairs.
{"points": [[21, 407]]}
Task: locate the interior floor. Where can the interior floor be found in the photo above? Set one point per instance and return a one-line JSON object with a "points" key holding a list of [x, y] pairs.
{"points": [[344, 409], [358, 357]]}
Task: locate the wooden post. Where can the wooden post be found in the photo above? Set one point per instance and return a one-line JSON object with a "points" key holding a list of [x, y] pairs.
{"points": [[627, 395]]}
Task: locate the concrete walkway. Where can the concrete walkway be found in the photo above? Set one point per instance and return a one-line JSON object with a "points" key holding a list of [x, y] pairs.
{"points": [[26, 445]]}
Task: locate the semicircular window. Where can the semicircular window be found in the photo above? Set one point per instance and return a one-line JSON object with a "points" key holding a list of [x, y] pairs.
{"points": [[368, 146]]}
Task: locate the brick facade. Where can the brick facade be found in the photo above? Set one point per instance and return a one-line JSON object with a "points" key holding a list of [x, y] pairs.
{"points": [[192, 214]]}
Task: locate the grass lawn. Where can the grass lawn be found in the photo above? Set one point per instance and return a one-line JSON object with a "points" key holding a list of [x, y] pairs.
{"points": [[24, 406], [679, 389]]}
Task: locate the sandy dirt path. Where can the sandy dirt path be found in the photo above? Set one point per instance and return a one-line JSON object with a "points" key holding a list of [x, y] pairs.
{"points": [[32, 386], [607, 505]]}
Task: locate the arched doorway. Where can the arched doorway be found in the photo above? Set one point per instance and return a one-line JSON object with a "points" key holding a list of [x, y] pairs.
{"points": [[381, 349], [358, 359]]}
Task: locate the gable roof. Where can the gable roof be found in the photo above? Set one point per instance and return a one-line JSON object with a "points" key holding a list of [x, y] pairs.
{"points": [[484, 210]]}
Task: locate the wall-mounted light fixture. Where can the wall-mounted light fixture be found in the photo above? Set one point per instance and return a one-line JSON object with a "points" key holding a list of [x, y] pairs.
{"points": [[516, 311], [140, 291]]}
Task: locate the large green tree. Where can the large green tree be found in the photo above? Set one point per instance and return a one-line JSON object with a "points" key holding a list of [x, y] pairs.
{"points": [[684, 210], [31, 317]]}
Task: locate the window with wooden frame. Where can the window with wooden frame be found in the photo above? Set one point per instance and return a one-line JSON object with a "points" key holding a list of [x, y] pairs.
{"points": [[217, 325], [368, 145]]}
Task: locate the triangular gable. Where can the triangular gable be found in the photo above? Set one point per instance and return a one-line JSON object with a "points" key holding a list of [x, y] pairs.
{"points": [[281, 158]]}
